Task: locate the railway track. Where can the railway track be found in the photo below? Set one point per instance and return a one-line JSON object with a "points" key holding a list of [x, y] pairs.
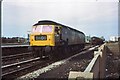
{"points": [[6, 60], [10, 71], [11, 56], [40, 71], [14, 65], [22, 67]]}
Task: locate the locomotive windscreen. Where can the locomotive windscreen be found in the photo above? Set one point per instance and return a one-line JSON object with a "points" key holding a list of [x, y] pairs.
{"points": [[47, 29], [42, 28]]}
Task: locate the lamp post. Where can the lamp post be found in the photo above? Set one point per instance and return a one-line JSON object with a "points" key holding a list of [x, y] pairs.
{"points": [[119, 44], [28, 35]]}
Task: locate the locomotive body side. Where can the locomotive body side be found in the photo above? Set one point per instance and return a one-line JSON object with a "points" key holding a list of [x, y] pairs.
{"points": [[73, 37]]}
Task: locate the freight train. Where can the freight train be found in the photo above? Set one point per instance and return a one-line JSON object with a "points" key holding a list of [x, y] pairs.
{"points": [[47, 36], [96, 41]]}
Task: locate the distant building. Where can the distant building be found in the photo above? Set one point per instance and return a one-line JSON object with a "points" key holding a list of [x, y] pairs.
{"points": [[114, 38], [14, 40]]}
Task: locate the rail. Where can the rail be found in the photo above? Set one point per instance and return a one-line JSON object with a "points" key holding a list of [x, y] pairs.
{"points": [[11, 46], [95, 69], [8, 67]]}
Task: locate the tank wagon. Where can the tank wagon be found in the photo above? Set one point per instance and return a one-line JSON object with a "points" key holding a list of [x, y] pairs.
{"points": [[47, 36], [96, 41]]}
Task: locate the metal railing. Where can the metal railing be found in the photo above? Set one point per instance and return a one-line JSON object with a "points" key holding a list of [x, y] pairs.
{"points": [[95, 69]]}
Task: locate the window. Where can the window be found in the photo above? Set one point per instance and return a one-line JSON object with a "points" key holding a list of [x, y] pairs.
{"points": [[47, 28], [42, 28]]}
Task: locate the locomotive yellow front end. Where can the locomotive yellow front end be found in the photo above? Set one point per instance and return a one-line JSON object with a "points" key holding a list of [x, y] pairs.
{"points": [[42, 35]]}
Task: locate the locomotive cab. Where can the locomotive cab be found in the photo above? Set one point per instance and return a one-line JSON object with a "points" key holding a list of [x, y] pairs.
{"points": [[42, 35]]}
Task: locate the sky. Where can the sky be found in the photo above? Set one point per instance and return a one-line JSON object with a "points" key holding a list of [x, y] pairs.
{"points": [[93, 17]]}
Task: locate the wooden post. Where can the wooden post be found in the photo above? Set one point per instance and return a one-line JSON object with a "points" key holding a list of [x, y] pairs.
{"points": [[103, 62]]}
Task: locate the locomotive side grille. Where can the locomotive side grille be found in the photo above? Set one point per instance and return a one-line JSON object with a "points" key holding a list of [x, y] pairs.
{"points": [[41, 37]]}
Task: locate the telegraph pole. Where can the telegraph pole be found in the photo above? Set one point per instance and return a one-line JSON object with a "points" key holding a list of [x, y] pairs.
{"points": [[0, 41], [28, 36], [119, 35]]}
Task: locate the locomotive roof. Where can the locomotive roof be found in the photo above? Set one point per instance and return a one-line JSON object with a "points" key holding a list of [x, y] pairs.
{"points": [[44, 22], [95, 37]]}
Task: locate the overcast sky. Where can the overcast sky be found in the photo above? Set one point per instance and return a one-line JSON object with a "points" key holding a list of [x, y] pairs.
{"points": [[93, 17]]}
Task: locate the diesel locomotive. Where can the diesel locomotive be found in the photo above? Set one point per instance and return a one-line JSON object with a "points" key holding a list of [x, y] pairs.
{"points": [[47, 36], [96, 41]]}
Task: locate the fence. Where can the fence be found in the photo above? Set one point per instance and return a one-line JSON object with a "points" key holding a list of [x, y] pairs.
{"points": [[95, 69]]}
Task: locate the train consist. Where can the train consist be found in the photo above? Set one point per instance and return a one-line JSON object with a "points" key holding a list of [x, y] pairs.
{"points": [[48, 36], [96, 41]]}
